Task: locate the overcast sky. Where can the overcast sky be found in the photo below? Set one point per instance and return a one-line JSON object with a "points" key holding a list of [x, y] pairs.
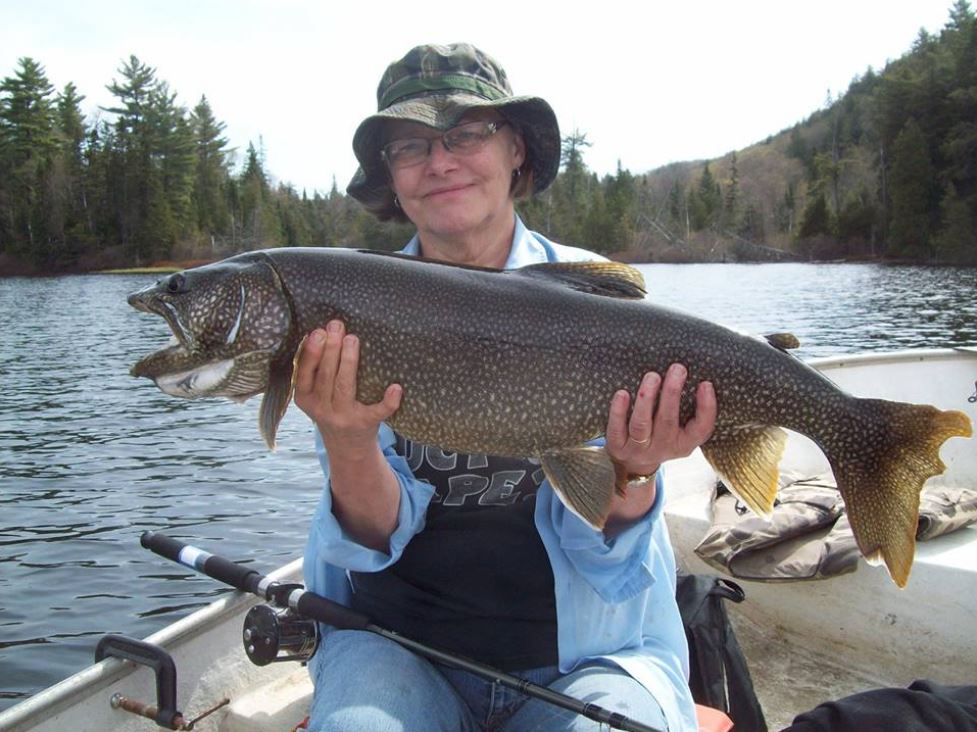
{"points": [[648, 82]]}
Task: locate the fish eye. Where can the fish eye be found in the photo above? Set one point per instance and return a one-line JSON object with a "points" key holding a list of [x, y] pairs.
{"points": [[176, 283]]}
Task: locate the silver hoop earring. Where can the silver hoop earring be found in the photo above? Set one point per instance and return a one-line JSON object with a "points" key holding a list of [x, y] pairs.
{"points": [[516, 174], [396, 202]]}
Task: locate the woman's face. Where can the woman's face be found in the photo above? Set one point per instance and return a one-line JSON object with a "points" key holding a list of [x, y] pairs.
{"points": [[452, 194]]}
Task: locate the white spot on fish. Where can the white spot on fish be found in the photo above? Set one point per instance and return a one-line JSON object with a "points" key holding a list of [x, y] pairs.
{"points": [[232, 334]]}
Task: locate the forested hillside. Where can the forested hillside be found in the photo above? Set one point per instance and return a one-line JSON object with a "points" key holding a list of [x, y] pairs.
{"points": [[889, 169]]}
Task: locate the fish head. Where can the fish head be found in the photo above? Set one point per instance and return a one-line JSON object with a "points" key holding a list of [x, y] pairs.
{"points": [[230, 320]]}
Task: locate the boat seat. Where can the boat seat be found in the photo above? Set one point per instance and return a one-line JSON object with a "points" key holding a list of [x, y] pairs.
{"points": [[275, 706]]}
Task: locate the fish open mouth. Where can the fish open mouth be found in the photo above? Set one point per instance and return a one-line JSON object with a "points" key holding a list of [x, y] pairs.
{"points": [[154, 306], [182, 372]]}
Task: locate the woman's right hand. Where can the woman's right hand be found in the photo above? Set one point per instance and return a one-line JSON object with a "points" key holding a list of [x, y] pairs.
{"points": [[365, 491], [325, 389]]}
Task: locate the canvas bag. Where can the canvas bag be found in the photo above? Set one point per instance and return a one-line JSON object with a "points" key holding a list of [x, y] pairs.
{"points": [[718, 672]]}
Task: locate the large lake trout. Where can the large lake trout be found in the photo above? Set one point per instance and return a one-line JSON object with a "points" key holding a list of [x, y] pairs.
{"points": [[525, 363]]}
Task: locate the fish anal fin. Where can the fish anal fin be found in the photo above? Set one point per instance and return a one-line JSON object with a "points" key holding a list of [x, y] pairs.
{"points": [[610, 279], [881, 480], [748, 458], [278, 394], [585, 480]]}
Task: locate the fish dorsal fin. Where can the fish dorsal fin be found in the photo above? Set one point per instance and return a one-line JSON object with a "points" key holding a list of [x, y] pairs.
{"points": [[611, 279], [585, 480], [747, 458], [783, 341]]}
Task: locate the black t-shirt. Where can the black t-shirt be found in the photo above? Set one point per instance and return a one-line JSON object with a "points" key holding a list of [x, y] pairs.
{"points": [[477, 580]]}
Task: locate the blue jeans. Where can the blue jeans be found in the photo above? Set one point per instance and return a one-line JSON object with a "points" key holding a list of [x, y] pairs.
{"points": [[366, 682]]}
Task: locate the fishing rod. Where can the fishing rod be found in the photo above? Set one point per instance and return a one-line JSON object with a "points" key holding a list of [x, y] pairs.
{"points": [[263, 647]]}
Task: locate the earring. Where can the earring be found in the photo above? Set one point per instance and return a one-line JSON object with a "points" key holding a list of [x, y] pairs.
{"points": [[516, 174], [396, 202]]}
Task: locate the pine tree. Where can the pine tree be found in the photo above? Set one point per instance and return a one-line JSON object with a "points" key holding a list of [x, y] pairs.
{"points": [[816, 219], [132, 177], [705, 201], [78, 226], [911, 182], [731, 199], [957, 240], [28, 148], [210, 179], [260, 225]]}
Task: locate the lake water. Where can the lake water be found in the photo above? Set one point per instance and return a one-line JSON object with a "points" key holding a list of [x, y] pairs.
{"points": [[90, 457]]}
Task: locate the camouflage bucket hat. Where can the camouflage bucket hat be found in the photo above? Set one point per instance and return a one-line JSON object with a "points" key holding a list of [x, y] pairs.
{"points": [[436, 85]]}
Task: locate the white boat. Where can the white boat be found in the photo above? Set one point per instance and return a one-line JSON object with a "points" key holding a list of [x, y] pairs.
{"points": [[816, 640], [807, 642]]}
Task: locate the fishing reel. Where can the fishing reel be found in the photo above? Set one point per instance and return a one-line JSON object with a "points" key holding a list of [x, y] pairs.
{"points": [[272, 635]]}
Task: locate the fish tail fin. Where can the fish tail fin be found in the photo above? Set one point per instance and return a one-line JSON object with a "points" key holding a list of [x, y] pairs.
{"points": [[881, 477], [747, 458]]}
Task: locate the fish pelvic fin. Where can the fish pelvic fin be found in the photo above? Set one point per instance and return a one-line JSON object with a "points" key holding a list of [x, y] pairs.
{"points": [[278, 394], [747, 458], [881, 478], [585, 479], [610, 279]]}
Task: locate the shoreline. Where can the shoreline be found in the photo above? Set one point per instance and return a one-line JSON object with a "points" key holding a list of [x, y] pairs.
{"points": [[171, 266]]}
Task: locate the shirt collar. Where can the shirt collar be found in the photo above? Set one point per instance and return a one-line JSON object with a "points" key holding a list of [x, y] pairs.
{"points": [[526, 249]]}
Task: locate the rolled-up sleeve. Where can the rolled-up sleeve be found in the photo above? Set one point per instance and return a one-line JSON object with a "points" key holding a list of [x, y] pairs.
{"points": [[616, 568], [335, 546]]}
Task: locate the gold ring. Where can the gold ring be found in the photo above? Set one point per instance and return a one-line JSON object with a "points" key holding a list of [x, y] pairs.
{"points": [[640, 442]]}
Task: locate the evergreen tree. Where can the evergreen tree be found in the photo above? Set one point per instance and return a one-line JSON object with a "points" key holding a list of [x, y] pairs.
{"points": [[133, 180], [211, 211], [621, 202], [571, 192], [957, 240], [911, 182], [260, 223], [816, 219], [174, 157], [28, 147], [731, 199], [705, 201]]}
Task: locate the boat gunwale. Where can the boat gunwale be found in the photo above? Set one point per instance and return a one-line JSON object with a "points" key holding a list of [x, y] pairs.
{"points": [[61, 696]]}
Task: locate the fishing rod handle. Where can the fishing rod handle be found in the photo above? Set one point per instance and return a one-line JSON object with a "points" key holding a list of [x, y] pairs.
{"points": [[326, 611], [215, 567], [247, 580]]}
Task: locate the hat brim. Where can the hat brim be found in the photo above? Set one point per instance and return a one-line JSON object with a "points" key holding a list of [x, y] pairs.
{"points": [[532, 116]]}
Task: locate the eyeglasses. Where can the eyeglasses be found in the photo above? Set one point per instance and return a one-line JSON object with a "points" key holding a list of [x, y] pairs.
{"points": [[463, 139]]}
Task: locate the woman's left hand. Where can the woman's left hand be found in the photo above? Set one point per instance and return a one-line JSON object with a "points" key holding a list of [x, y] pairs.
{"points": [[653, 435], [640, 442]]}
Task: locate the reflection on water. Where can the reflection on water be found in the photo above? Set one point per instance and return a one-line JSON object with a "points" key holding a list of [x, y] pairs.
{"points": [[90, 457]]}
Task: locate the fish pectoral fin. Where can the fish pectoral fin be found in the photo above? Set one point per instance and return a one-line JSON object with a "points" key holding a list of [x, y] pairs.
{"points": [[611, 279], [585, 480], [747, 458], [277, 396]]}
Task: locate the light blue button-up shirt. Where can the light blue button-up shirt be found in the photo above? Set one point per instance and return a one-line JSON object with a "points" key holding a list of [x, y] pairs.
{"points": [[615, 598]]}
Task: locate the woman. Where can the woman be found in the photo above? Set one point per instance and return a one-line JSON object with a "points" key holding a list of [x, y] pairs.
{"points": [[470, 553]]}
